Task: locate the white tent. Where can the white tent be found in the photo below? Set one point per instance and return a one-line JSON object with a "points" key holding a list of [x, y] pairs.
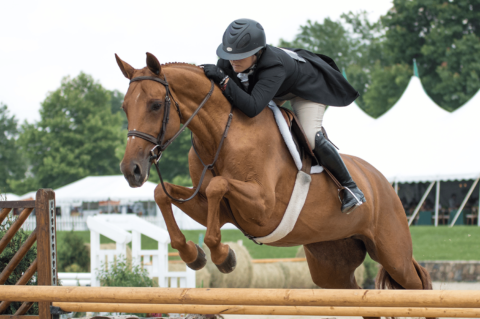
{"points": [[102, 188]]}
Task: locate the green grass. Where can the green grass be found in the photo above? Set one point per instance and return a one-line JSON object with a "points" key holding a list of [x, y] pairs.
{"points": [[429, 243], [446, 243]]}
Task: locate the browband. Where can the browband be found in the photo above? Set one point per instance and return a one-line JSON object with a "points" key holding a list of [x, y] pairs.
{"points": [[152, 78]]}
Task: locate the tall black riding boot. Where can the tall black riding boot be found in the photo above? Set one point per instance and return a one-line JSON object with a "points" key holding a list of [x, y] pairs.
{"points": [[328, 156]]}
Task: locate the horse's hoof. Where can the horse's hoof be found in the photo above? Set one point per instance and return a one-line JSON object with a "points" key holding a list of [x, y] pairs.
{"points": [[201, 260], [229, 263]]}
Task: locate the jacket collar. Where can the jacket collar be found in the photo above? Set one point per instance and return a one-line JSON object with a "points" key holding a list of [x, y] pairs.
{"points": [[269, 58]]}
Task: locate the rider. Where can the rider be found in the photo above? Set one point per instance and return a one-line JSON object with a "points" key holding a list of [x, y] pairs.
{"points": [[252, 73]]}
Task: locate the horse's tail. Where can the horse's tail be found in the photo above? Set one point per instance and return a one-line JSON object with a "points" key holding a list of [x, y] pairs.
{"points": [[385, 281], [424, 276]]}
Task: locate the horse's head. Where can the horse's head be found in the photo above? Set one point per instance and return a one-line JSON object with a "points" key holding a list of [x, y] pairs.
{"points": [[145, 107]]}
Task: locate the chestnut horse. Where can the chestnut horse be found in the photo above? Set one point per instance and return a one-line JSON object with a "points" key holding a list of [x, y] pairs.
{"points": [[256, 174]]}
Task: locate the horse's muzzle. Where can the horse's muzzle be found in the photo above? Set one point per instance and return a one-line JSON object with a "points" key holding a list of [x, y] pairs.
{"points": [[135, 173]]}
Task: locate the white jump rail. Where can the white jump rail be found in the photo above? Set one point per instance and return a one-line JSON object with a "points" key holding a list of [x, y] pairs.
{"points": [[75, 278]]}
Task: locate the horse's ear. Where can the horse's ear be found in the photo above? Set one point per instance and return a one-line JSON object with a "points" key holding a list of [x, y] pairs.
{"points": [[153, 64], [126, 68]]}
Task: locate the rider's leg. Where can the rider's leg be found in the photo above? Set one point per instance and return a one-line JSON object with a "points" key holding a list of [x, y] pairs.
{"points": [[310, 115]]}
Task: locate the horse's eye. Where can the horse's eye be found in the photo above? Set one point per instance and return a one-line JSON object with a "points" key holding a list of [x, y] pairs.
{"points": [[156, 105]]}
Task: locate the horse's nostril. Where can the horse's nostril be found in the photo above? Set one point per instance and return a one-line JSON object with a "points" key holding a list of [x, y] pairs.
{"points": [[136, 171]]}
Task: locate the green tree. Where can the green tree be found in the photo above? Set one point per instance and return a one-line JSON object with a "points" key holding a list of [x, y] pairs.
{"points": [[388, 84], [116, 106], [77, 135], [73, 251], [330, 38], [12, 165], [443, 37]]}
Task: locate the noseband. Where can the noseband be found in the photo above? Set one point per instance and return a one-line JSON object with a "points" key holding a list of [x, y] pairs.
{"points": [[158, 141]]}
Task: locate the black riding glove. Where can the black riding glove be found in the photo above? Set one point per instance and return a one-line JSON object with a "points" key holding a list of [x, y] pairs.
{"points": [[214, 72]]}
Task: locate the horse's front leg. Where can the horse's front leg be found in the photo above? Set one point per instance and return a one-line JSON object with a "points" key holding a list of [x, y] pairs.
{"points": [[222, 256], [196, 208]]}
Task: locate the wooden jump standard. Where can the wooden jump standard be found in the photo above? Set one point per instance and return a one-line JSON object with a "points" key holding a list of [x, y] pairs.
{"points": [[45, 265], [407, 303]]}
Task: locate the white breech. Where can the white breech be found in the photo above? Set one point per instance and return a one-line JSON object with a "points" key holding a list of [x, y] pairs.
{"points": [[310, 115]]}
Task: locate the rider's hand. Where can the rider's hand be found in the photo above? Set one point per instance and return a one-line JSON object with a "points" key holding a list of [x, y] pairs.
{"points": [[214, 72]]}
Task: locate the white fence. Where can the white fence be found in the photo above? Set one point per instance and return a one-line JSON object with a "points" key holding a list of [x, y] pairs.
{"points": [[67, 223], [155, 261]]}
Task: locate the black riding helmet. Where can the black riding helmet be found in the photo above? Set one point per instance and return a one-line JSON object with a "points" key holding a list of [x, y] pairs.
{"points": [[243, 38]]}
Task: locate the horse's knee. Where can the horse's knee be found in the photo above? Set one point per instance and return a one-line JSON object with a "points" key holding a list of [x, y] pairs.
{"points": [[217, 187], [160, 195]]}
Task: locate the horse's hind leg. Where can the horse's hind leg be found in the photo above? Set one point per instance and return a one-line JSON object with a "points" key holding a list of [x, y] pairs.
{"points": [[392, 248], [332, 263]]}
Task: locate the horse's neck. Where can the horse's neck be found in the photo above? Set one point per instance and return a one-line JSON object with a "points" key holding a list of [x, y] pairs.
{"points": [[190, 88]]}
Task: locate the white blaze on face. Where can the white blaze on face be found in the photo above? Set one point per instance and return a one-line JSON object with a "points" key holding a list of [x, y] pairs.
{"points": [[136, 99]]}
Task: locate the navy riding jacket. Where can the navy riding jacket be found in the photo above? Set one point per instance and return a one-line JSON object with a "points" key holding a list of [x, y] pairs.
{"points": [[316, 78]]}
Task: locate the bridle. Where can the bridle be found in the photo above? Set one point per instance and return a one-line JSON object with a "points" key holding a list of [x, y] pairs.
{"points": [[159, 140]]}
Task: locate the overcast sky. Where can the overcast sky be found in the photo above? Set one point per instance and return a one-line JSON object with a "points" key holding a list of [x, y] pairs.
{"points": [[43, 41]]}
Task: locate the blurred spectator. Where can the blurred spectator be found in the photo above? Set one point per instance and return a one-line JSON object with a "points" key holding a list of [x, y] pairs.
{"points": [[452, 202]]}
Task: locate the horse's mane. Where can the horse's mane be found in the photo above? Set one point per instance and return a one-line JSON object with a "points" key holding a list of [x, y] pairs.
{"points": [[193, 67]]}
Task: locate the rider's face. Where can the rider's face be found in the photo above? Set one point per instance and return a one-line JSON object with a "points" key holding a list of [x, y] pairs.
{"points": [[243, 64]]}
